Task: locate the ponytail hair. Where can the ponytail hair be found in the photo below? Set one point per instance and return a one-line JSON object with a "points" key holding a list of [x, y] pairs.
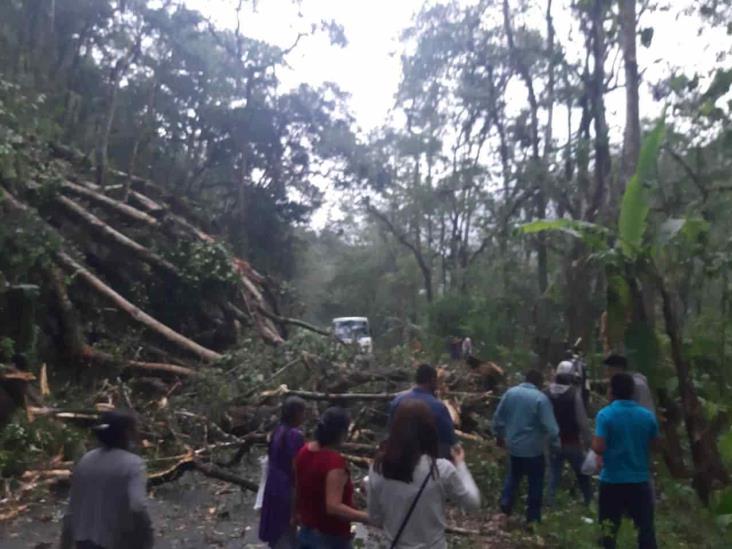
{"points": [[332, 426]]}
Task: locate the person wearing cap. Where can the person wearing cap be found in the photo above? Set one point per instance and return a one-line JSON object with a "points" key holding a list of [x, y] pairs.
{"points": [[618, 364], [108, 500], [574, 433]]}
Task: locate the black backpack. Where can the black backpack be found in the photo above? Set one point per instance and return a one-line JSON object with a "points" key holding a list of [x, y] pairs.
{"points": [[564, 411]]}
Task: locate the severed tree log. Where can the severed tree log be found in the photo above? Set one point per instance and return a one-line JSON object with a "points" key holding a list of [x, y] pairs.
{"points": [[117, 237], [182, 342], [283, 390], [146, 202], [296, 322], [159, 368], [189, 463], [109, 203]]}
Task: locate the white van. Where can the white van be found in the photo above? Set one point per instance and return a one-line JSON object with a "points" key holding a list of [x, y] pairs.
{"points": [[353, 330]]}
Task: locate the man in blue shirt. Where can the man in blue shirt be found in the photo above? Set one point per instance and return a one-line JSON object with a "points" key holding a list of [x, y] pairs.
{"points": [[624, 433], [426, 386], [523, 422]]}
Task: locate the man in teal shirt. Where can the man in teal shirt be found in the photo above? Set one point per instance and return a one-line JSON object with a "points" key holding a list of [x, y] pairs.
{"points": [[525, 420], [624, 433]]}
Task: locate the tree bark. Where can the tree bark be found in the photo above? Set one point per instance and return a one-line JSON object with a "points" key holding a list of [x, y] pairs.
{"points": [[109, 203], [708, 467], [603, 161], [100, 227], [632, 137], [180, 341]]}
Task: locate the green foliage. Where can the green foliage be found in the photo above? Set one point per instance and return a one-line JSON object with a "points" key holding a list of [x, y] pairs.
{"points": [[26, 246], [595, 236], [635, 207], [203, 264], [24, 444], [7, 349]]}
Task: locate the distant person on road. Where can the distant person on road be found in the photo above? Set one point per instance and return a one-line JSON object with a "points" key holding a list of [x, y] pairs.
{"points": [[424, 390], [324, 491], [108, 501], [276, 527], [624, 434], [455, 348], [574, 434], [467, 348], [618, 364], [524, 422], [408, 475]]}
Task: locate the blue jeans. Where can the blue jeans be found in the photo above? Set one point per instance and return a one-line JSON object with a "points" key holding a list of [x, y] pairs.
{"points": [[533, 468], [574, 456], [312, 539]]}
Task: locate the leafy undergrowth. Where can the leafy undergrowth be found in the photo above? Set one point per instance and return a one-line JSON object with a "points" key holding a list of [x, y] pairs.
{"points": [[681, 520]]}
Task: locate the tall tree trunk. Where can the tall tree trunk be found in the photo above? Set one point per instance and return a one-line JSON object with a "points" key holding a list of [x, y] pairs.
{"points": [[708, 467], [603, 163], [118, 72], [632, 137]]}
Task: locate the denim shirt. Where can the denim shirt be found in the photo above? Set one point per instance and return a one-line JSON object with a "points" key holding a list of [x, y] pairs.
{"points": [[525, 418], [445, 427]]}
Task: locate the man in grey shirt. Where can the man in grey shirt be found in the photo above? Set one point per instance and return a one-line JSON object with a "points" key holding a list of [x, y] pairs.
{"points": [[108, 502], [618, 364]]}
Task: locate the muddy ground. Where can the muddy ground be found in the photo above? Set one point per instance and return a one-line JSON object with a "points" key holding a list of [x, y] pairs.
{"points": [[196, 512], [191, 513]]}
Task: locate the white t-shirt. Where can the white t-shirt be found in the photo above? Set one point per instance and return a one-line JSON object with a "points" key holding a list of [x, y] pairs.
{"points": [[389, 500]]}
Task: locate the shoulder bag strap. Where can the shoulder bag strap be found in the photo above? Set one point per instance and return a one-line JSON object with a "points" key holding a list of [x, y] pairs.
{"points": [[411, 509]]}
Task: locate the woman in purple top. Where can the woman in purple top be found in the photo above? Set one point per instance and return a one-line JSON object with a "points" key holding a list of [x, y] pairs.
{"points": [[275, 526]]}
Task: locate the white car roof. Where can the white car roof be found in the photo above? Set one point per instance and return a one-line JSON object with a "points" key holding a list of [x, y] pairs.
{"points": [[351, 319]]}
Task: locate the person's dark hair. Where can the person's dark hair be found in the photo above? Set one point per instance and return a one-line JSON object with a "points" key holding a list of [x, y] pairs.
{"points": [[291, 410], [535, 377], [413, 434], [115, 429], [426, 374], [622, 386], [616, 361], [332, 426], [563, 379]]}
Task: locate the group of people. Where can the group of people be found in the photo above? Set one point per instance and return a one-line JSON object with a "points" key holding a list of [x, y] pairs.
{"points": [[416, 470], [533, 423], [308, 499]]}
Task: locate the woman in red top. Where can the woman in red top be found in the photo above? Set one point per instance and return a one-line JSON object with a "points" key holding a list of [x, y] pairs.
{"points": [[323, 487]]}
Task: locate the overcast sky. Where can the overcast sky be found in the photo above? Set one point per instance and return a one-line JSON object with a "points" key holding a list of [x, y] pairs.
{"points": [[369, 67]]}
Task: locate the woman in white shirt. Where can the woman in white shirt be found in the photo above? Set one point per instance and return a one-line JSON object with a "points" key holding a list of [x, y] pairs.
{"points": [[407, 469]]}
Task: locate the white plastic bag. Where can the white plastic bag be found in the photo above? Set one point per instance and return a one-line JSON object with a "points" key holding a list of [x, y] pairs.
{"points": [[590, 466], [264, 465]]}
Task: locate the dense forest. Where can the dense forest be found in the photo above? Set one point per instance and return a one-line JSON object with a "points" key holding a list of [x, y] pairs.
{"points": [[157, 246]]}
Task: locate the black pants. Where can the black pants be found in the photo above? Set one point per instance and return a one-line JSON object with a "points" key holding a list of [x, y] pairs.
{"points": [[87, 545], [634, 500]]}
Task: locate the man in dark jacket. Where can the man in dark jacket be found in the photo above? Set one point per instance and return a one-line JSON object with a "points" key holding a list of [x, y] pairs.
{"points": [[574, 433]]}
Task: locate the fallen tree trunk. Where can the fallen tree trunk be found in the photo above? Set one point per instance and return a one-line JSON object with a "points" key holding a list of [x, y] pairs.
{"points": [[110, 203], [159, 367], [191, 464], [296, 322], [283, 391], [112, 234], [182, 342]]}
